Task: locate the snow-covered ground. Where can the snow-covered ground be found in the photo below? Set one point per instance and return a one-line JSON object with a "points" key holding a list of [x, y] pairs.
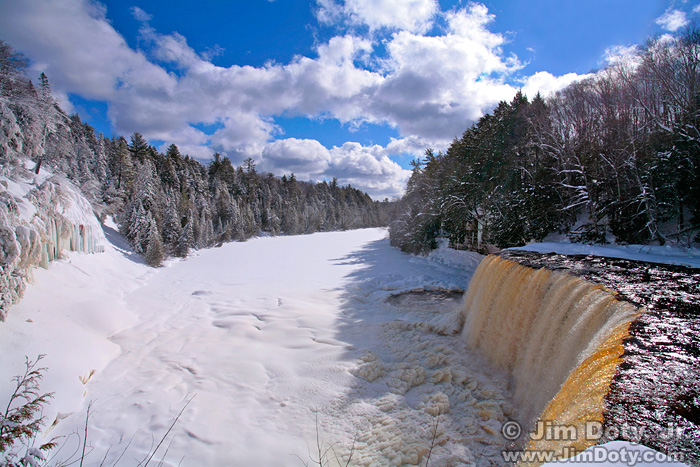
{"points": [[667, 254], [283, 347], [270, 339]]}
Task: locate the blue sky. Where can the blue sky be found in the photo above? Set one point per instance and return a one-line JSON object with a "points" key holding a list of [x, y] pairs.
{"points": [[352, 89]]}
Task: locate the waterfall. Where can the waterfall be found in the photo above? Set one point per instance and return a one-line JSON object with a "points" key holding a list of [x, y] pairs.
{"points": [[558, 337]]}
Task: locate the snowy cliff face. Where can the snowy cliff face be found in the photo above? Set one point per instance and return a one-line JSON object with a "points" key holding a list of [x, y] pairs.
{"points": [[41, 216]]}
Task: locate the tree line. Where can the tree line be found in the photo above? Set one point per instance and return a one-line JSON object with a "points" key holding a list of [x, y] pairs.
{"points": [[167, 204], [615, 157]]}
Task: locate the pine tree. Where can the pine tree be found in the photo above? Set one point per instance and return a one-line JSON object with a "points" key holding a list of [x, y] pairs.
{"points": [[137, 226], [138, 147], [12, 68], [45, 90], [186, 240], [173, 152], [154, 251]]}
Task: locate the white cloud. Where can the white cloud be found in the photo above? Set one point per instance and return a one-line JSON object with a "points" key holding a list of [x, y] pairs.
{"points": [[367, 168], [428, 87], [243, 135], [332, 83], [673, 20], [306, 158], [414, 146], [173, 48], [696, 9], [63, 101], [79, 49], [471, 23], [140, 15], [188, 139], [449, 77], [409, 15], [452, 79], [546, 83], [620, 53]]}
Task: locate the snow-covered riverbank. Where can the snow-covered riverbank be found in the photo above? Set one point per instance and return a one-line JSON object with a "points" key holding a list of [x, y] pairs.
{"points": [[283, 345], [263, 334]]}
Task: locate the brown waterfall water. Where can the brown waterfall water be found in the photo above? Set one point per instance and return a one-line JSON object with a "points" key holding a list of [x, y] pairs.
{"points": [[585, 361]]}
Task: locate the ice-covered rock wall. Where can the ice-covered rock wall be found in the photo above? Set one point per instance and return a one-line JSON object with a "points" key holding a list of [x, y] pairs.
{"points": [[41, 216]]}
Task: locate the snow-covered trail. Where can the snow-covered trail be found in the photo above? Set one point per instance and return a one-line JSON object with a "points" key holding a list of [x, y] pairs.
{"points": [[269, 338]]}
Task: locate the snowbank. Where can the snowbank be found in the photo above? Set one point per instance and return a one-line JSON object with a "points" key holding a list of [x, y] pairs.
{"points": [[667, 254], [41, 216]]}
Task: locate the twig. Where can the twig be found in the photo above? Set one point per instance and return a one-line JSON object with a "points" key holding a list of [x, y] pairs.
{"points": [[104, 459], [352, 452], [124, 451], [166, 451], [168, 432], [85, 436], [69, 460], [432, 442], [318, 444]]}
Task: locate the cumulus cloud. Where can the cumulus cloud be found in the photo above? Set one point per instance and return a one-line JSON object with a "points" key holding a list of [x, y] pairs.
{"points": [[546, 83], [673, 20], [243, 135], [368, 168], [189, 140], [77, 47], [427, 87], [332, 83], [414, 146], [452, 78], [410, 15], [306, 158]]}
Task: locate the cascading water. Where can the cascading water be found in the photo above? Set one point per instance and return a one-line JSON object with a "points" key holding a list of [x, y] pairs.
{"points": [[540, 326], [580, 355]]}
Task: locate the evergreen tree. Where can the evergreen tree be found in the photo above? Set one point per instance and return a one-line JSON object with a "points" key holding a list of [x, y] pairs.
{"points": [[154, 251], [13, 83], [138, 147], [186, 240]]}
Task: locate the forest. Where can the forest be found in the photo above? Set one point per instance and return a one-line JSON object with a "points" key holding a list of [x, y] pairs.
{"points": [[166, 204], [612, 158]]}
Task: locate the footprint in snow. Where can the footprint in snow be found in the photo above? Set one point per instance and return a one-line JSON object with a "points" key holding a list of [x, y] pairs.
{"points": [[198, 293]]}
